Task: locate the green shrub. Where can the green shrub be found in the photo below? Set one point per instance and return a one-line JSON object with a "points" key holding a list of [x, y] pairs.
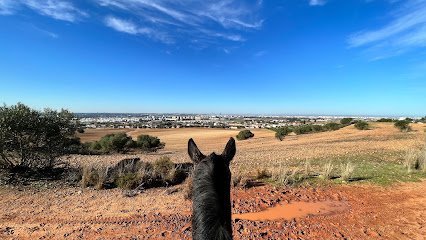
{"points": [[346, 121], [303, 129], [281, 132], [403, 125], [163, 166], [361, 125], [317, 128], [128, 181], [149, 143], [332, 126], [118, 142], [167, 172], [245, 134], [385, 120]]}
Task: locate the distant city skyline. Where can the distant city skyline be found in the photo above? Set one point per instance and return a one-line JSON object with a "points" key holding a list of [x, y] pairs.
{"points": [[296, 57]]}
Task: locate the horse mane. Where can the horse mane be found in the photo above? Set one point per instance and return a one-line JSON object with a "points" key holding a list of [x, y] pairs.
{"points": [[211, 200], [208, 218]]}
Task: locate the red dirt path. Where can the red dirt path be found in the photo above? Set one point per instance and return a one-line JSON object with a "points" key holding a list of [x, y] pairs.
{"points": [[396, 212]]}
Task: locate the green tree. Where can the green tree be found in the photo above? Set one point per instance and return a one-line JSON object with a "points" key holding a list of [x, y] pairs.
{"points": [[34, 139], [245, 134]]}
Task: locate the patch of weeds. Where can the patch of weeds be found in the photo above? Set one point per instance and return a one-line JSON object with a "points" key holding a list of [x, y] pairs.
{"points": [[128, 181], [263, 174], [89, 177], [347, 171], [327, 170]]}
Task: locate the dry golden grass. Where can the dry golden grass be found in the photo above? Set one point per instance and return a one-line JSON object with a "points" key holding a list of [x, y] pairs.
{"points": [[265, 151]]}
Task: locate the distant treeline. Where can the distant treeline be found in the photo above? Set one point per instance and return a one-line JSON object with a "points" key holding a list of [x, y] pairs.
{"points": [[281, 132], [423, 120]]}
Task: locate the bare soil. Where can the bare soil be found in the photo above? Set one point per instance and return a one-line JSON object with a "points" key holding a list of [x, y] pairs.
{"points": [[370, 212]]}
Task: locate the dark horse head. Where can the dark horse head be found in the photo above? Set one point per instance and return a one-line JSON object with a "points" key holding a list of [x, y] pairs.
{"points": [[211, 206]]}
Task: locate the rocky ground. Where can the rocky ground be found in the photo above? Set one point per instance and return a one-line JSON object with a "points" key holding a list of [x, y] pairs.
{"points": [[49, 212]]}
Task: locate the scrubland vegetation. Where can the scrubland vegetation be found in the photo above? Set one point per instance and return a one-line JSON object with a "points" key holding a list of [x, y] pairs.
{"points": [[122, 143], [116, 179], [36, 140], [281, 132], [132, 174], [361, 125], [403, 125]]}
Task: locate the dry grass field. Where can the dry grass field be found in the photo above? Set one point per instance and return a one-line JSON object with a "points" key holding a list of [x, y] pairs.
{"points": [[264, 151], [396, 210]]}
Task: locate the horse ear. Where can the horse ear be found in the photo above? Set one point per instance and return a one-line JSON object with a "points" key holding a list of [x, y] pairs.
{"points": [[230, 150], [194, 153]]}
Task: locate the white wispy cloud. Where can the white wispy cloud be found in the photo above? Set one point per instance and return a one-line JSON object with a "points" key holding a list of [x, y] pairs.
{"points": [[129, 27], [7, 7], [208, 22], [201, 22], [121, 25], [317, 2], [57, 9], [260, 53], [405, 31]]}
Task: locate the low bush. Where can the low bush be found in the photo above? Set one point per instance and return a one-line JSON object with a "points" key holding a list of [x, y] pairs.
{"points": [[245, 134], [281, 132], [361, 125], [303, 129], [121, 143], [346, 121], [149, 143], [403, 125], [118, 143], [132, 173], [415, 160], [332, 126], [128, 181], [163, 166], [385, 120]]}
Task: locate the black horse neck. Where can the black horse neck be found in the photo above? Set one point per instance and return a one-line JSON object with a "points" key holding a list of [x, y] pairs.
{"points": [[211, 205]]}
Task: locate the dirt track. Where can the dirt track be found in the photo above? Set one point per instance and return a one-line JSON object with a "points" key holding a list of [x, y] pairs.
{"points": [[397, 212]]}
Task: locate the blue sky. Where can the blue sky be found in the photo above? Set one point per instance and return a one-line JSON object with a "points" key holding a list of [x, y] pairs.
{"points": [[362, 57]]}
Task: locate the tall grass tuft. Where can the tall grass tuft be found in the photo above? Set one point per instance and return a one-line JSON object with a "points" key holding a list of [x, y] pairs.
{"points": [[411, 160], [308, 168], [102, 175], [327, 171], [263, 174], [347, 171]]}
